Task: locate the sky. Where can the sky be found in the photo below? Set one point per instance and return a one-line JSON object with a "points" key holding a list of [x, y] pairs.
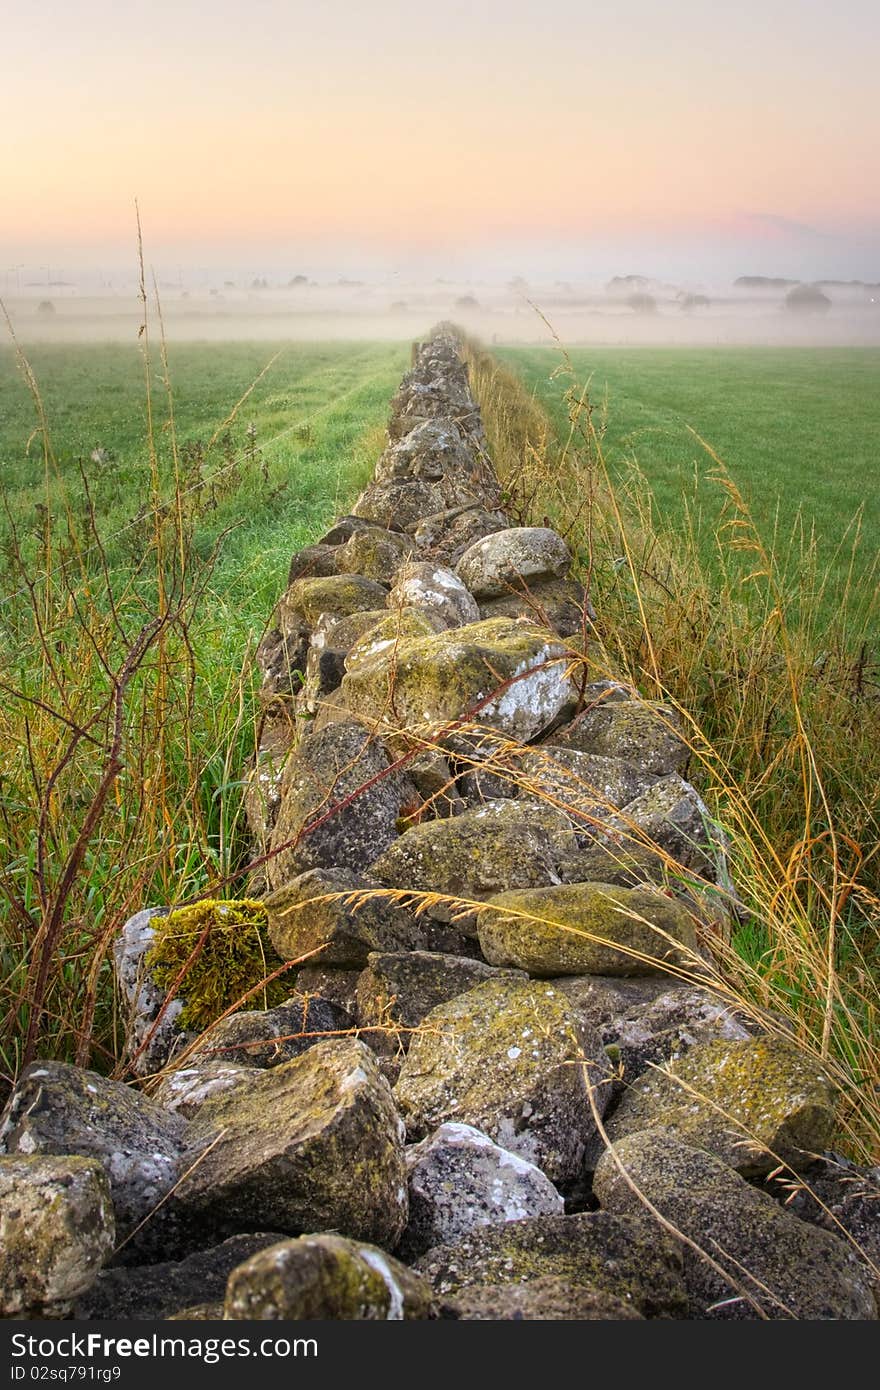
{"points": [[495, 136]]}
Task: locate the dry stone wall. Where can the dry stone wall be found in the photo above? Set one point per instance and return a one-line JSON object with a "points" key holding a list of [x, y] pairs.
{"points": [[491, 896]]}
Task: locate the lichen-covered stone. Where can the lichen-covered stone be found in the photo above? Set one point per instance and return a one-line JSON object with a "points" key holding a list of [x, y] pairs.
{"points": [[401, 987], [447, 534], [343, 528], [325, 1277], [184, 1090], [395, 626], [403, 502], [432, 450], [619, 860], [584, 780], [347, 931], [629, 1257], [336, 983], [315, 1144], [269, 1037], [842, 1197], [755, 1104], [774, 1265], [505, 559], [671, 816], [153, 1030], [340, 804], [375, 552], [513, 1060], [312, 562], [423, 584], [56, 1231], [459, 1179], [308, 600], [547, 1299], [586, 929], [329, 644], [562, 605], [59, 1109], [499, 845], [501, 673], [635, 730], [170, 1287]]}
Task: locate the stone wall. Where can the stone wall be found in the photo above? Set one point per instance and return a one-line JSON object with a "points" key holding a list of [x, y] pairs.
{"points": [[489, 897]]}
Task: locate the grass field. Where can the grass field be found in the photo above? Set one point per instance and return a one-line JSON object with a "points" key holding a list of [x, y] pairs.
{"points": [[797, 429]]}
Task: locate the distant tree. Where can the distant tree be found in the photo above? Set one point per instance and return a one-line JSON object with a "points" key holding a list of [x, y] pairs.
{"points": [[642, 303], [467, 301], [399, 306], [518, 285], [45, 306], [762, 282], [296, 281], [694, 301], [229, 284], [807, 299]]}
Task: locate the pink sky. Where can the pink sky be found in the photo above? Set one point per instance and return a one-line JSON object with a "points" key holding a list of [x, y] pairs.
{"points": [[392, 129]]}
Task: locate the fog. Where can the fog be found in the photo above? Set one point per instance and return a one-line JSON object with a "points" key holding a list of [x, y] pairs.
{"points": [[625, 308]]}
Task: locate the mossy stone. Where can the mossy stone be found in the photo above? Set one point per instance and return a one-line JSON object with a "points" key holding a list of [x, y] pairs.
{"points": [[776, 1266], [586, 929], [548, 1299], [375, 553], [401, 987], [308, 600], [754, 1104], [325, 1277], [647, 734]]}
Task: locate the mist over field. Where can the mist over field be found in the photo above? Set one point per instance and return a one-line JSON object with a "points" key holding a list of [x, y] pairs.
{"points": [[624, 309]]}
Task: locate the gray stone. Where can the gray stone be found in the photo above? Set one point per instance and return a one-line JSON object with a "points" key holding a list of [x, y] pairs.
{"points": [[447, 534], [399, 988], [459, 1180], [312, 562], [423, 584], [628, 1257], [504, 559], [315, 1144], [269, 1037], [325, 1277], [375, 552], [515, 1061], [59, 1109], [153, 1032], [56, 1231], [547, 1299], [771, 1264], [184, 1090], [637, 731]]}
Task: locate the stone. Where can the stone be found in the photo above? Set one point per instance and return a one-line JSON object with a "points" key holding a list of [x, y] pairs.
{"points": [[671, 816], [637, 731], [620, 860], [281, 658], [342, 529], [375, 552], [313, 562], [499, 845], [184, 1090], [270, 1037], [315, 1144], [447, 534], [399, 988], [340, 804], [539, 1300], [515, 1061], [755, 1104], [345, 931], [153, 1031], [56, 1231], [586, 929], [437, 449], [307, 601], [842, 1197], [329, 644], [771, 1264], [423, 584], [396, 626], [325, 1277], [170, 1287], [459, 1180], [402, 503], [562, 605], [434, 780], [494, 565], [585, 781], [628, 1257], [337, 984], [60, 1109]]}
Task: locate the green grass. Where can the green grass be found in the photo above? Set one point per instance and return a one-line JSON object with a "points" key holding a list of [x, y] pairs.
{"points": [[796, 428]]}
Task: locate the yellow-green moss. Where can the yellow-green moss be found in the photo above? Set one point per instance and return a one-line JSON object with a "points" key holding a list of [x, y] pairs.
{"points": [[235, 956]]}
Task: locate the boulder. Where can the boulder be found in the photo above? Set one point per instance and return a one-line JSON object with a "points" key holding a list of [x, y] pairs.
{"points": [[313, 562], [586, 929], [506, 559], [396, 626], [512, 677], [340, 804], [344, 931], [59, 1109], [169, 1288], [513, 1060], [375, 552], [424, 584], [459, 1180], [586, 781], [447, 534], [628, 1257], [562, 605], [399, 988], [755, 1104], [635, 730], [546, 1299], [307, 601], [844, 1198], [337, 984], [401, 503], [153, 1031], [56, 1231], [269, 1037], [766, 1262], [184, 1090], [329, 645], [672, 816], [314, 1144], [499, 845], [325, 1278]]}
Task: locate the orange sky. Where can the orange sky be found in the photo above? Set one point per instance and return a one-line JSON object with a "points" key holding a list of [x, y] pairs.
{"points": [[241, 124]]}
